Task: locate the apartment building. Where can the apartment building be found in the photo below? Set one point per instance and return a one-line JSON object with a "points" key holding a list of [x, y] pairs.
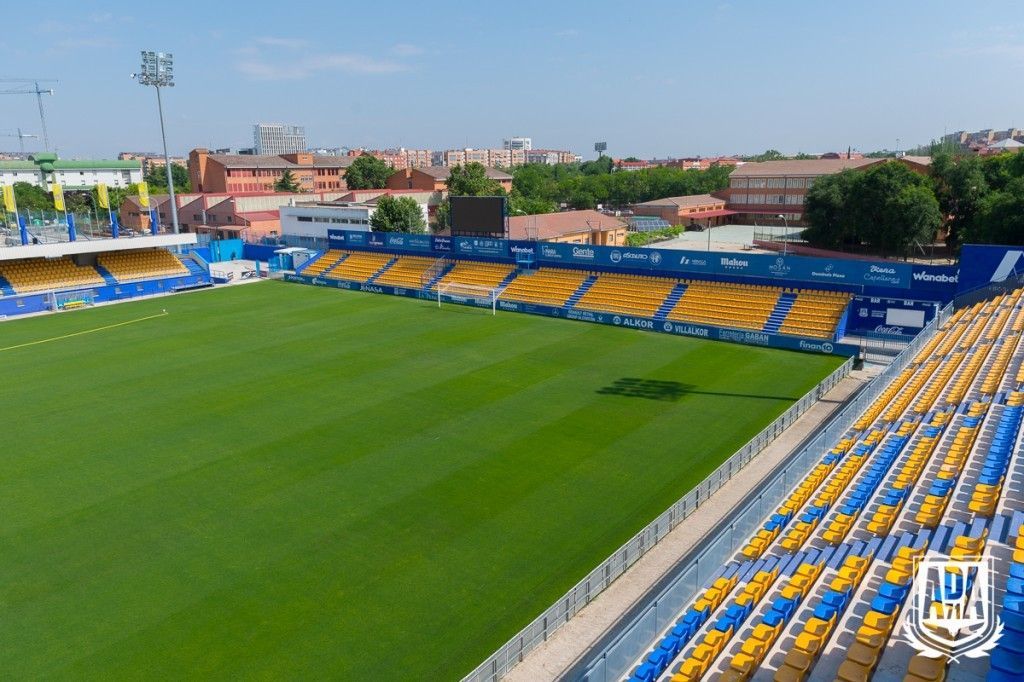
{"points": [[274, 139]]}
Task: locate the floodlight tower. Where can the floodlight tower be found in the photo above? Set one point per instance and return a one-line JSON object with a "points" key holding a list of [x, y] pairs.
{"points": [[158, 71]]}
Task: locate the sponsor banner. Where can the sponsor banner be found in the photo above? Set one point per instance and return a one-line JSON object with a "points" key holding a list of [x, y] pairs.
{"points": [[477, 246], [419, 243], [849, 273], [750, 338], [876, 315]]}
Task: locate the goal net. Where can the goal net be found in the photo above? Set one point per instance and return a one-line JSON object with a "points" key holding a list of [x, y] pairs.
{"points": [[473, 294], [68, 300]]}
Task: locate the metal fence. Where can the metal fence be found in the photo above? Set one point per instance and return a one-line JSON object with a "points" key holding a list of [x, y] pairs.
{"points": [[500, 662]]}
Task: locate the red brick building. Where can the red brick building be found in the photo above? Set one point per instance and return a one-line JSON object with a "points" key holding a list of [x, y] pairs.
{"points": [[701, 210], [250, 173]]}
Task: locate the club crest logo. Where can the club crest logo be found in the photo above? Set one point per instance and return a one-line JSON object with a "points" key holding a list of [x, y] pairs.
{"points": [[951, 608]]}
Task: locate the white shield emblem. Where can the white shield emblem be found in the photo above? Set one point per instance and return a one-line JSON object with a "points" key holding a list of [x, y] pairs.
{"points": [[951, 608]]}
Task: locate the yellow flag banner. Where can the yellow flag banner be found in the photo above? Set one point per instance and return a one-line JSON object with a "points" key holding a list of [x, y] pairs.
{"points": [[9, 204], [102, 196], [143, 195], [58, 197]]}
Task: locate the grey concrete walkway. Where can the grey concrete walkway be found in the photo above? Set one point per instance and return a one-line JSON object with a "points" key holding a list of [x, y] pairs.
{"points": [[565, 648]]}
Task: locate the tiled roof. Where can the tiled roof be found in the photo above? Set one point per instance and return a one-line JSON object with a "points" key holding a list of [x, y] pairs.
{"points": [[442, 172], [808, 167], [688, 200], [549, 225]]}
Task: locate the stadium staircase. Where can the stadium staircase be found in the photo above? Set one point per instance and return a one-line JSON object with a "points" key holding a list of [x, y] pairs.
{"points": [[439, 276], [509, 278], [5, 287], [384, 268], [779, 312], [670, 301], [933, 463], [194, 268], [578, 294], [107, 277]]}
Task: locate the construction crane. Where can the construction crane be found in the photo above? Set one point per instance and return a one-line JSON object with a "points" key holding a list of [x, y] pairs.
{"points": [[31, 87], [21, 138]]}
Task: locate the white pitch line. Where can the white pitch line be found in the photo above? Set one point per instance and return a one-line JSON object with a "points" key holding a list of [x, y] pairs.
{"points": [[85, 331]]}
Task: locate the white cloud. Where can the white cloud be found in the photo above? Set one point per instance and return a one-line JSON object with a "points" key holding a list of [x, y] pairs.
{"points": [[305, 67], [275, 41], [407, 50], [83, 43], [567, 32]]}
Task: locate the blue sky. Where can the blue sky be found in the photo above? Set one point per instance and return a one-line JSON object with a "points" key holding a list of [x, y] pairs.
{"points": [[652, 78]]}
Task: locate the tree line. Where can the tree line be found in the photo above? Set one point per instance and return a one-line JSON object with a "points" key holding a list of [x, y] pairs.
{"points": [[891, 210]]}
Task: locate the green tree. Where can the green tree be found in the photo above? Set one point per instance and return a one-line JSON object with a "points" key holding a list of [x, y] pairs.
{"points": [[368, 172], [960, 185], [471, 180], [522, 205], [769, 155], [286, 183], [599, 166], [826, 210], [914, 219], [1000, 216], [32, 198], [401, 214], [886, 208], [157, 179]]}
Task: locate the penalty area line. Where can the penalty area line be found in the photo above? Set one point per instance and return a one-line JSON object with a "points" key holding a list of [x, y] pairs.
{"points": [[85, 331]]}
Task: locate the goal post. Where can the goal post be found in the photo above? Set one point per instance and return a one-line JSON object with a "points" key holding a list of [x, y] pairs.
{"points": [[69, 300], [474, 294]]}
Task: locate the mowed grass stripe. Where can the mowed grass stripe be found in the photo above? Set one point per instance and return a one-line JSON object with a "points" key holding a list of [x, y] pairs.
{"points": [[286, 481]]}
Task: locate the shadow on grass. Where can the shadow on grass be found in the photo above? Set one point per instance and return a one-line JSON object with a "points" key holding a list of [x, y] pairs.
{"points": [[671, 391]]}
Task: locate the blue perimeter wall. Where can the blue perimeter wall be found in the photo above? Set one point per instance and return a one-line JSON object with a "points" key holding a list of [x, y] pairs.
{"points": [[750, 338], [888, 279], [35, 303]]}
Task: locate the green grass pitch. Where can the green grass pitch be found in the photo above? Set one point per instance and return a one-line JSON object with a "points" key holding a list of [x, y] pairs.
{"points": [[279, 481]]}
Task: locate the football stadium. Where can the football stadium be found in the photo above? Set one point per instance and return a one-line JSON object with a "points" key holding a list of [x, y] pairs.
{"points": [[447, 457]]}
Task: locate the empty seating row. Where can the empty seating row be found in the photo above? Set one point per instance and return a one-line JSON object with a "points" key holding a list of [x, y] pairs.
{"points": [[326, 261], [127, 266], [407, 271], [546, 286], [359, 266], [47, 274], [726, 304], [476, 274]]}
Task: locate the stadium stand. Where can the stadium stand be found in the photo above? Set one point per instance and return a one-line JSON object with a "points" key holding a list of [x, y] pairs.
{"points": [[407, 271], [477, 274], [814, 313], [360, 266], [128, 266], [725, 304], [546, 286], [629, 294], [43, 274], [817, 591], [324, 263], [795, 312]]}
